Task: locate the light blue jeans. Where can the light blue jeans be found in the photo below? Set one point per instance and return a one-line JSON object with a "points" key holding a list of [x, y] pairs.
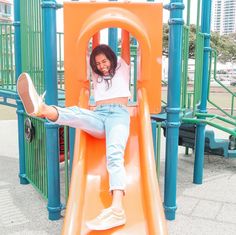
{"points": [[111, 121]]}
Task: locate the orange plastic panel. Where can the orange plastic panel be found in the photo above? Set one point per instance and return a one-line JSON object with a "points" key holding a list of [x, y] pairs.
{"points": [[89, 181], [96, 39], [142, 20], [125, 46]]}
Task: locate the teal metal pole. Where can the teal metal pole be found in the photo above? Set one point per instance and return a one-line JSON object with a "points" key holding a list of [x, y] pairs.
{"points": [[112, 36], [112, 39], [156, 144], [154, 137], [20, 108], [71, 146], [50, 75], [200, 130], [50, 50], [52, 150], [17, 38], [173, 105]]}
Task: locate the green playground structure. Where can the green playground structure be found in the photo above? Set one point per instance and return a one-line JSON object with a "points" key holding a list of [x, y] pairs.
{"points": [[32, 44]]}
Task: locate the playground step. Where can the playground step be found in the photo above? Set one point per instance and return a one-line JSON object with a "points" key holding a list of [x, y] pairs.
{"points": [[212, 144], [232, 153], [216, 146]]}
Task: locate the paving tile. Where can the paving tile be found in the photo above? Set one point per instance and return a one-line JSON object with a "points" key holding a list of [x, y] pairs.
{"points": [[207, 209], [3, 183], [10, 213], [220, 188], [228, 213], [9, 138], [190, 225], [185, 205], [30, 232]]}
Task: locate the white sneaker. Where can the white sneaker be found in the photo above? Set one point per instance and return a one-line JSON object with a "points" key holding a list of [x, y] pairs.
{"points": [[108, 218], [28, 94]]}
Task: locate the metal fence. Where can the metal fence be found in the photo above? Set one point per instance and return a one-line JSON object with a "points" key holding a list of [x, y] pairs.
{"points": [[7, 64], [35, 154]]}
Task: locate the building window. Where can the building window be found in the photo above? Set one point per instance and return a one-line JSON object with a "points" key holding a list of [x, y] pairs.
{"points": [[5, 8]]}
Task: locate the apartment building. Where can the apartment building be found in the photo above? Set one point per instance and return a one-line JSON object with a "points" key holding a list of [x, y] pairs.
{"points": [[6, 11], [223, 16]]}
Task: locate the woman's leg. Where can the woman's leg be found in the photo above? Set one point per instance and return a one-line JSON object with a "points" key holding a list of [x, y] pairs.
{"points": [[49, 112], [117, 132], [117, 199], [84, 119]]}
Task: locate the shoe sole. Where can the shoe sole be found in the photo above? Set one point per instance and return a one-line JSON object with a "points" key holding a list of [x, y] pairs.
{"points": [[105, 227], [23, 91]]}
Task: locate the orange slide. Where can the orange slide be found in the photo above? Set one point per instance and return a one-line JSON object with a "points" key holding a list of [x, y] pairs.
{"points": [[89, 192]]}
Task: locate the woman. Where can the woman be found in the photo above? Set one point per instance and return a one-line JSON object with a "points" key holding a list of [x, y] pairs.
{"points": [[110, 119]]}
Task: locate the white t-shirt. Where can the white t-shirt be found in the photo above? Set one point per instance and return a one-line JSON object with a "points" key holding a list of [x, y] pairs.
{"points": [[118, 85]]}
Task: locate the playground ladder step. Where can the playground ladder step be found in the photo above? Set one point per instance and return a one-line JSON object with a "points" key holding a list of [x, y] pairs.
{"points": [[216, 145], [187, 132], [232, 153]]}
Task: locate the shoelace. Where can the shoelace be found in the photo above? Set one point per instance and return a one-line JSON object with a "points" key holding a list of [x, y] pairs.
{"points": [[104, 213], [41, 97], [40, 100]]}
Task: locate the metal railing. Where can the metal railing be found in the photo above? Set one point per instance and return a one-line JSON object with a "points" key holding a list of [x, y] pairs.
{"points": [[32, 42], [232, 94], [7, 65], [212, 122], [184, 81], [199, 50], [66, 161], [35, 155], [60, 60]]}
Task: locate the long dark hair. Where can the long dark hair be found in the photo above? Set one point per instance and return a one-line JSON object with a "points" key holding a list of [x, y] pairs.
{"points": [[109, 53]]}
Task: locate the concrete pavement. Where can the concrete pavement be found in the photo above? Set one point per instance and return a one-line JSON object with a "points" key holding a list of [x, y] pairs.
{"points": [[204, 209]]}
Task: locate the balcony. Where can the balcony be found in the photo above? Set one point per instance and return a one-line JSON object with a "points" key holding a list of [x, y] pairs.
{"points": [[5, 17]]}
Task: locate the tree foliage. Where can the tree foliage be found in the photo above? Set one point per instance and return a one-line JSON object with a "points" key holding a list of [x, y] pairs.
{"points": [[225, 45]]}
